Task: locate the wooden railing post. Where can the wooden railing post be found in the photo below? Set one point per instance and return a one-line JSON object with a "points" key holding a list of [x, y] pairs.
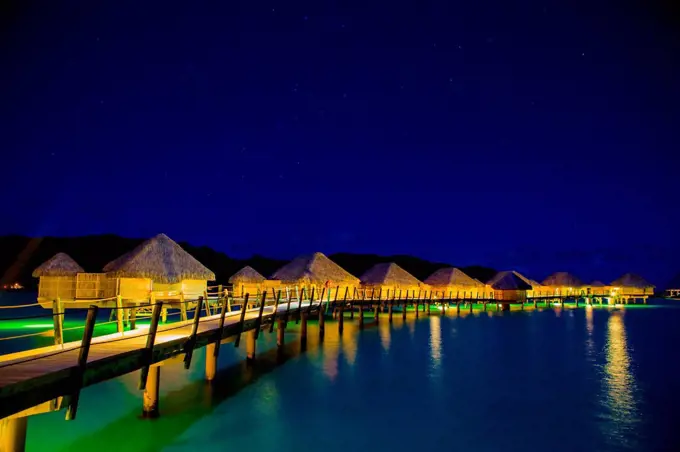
{"points": [[322, 318], [150, 340], [79, 373], [220, 329], [189, 347], [58, 319], [241, 321], [258, 323], [276, 311]]}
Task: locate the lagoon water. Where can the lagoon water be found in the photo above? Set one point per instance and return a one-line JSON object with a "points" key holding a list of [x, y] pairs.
{"points": [[587, 379]]}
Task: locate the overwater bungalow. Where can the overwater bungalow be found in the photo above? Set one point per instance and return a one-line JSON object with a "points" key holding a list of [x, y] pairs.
{"points": [[597, 288], [453, 282], [631, 284], [317, 271], [562, 283], [58, 278], [158, 268], [387, 280], [510, 286], [250, 281]]}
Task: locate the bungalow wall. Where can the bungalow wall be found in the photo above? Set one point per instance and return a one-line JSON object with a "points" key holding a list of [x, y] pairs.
{"points": [[52, 287], [190, 288], [510, 295], [454, 291]]}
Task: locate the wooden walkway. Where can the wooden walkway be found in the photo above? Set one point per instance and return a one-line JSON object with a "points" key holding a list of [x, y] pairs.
{"points": [[50, 378], [32, 377]]}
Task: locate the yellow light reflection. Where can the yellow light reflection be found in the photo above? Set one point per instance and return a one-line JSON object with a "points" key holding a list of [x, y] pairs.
{"points": [[385, 332], [618, 379], [349, 346], [590, 342], [435, 341]]}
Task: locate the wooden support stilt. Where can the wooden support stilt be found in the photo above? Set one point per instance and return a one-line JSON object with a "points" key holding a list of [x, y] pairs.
{"points": [[13, 434], [484, 304], [211, 361], [133, 318], [150, 340], [82, 362], [303, 326], [183, 308], [150, 409], [164, 315], [498, 306], [58, 319], [322, 317], [351, 304], [280, 333], [535, 303], [341, 314], [361, 310], [470, 303], [457, 307], [241, 321], [119, 313], [390, 308], [251, 339], [191, 342]]}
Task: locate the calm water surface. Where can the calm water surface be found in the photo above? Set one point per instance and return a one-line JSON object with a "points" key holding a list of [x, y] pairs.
{"points": [[562, 380]]}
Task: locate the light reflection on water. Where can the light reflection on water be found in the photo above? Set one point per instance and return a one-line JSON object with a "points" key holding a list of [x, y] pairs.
{"points": [[619, 383]]}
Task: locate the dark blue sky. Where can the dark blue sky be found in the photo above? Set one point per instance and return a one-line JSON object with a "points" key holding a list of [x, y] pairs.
{"points": [[539, 137]]}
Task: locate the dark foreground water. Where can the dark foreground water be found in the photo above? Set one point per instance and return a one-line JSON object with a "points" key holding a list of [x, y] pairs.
{"points": [[600, 379]]}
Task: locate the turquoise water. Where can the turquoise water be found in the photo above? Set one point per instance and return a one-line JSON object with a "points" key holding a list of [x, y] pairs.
{"points": [[598, 379]]}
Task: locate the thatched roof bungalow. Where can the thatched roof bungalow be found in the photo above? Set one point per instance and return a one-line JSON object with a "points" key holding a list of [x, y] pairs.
{"points": [[161, 266], [563, 283], [318, 271], [387, 280], [58, 277], [453, 282], [250, 281], [510, 286], [632, 284]]}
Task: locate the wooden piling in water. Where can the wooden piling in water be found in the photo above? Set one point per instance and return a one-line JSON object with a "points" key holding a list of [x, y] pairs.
{"points": [[251, 341], [280, 333], [13, 434], [361, 310], [150, 409]]}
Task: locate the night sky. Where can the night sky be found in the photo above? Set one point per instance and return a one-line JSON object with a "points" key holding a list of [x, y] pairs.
{"points": [[540, 137]]}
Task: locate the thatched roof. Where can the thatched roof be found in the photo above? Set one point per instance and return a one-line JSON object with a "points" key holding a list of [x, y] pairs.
{"points": [[61, 264], [314, 268], [597, 284], [389, 274], [562, 279], [452, 277], [247, 274], [509, 280], [160, 259], [632, 280]]}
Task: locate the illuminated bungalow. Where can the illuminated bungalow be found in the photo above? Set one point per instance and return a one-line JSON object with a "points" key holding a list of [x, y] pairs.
{"points": [[510, 286], [673, 290], [250, 281], [631, 286], [161, 266], [387, 279], [453, 282], [317, 271], [597, 288], [562, 283], [58, 278]]}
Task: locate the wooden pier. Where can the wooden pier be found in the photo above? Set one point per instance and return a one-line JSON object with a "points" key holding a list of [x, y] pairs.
{"points": [[50, 378]]}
